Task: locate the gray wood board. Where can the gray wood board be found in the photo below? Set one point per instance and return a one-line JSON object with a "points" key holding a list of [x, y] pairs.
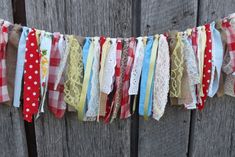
{"points": [[67, 136], [12, 131], [170, 136], [213, 129]]}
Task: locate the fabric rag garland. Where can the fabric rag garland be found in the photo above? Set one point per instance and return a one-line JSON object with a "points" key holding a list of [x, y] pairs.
{"points": [[102, 78]]}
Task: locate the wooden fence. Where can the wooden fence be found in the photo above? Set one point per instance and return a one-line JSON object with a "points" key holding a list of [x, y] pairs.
{"points": [[179, 133]]}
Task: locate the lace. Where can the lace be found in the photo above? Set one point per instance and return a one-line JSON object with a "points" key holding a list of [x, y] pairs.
{"points": [[137, 66], [93, 103], [74, 72], [191, 77], [161, 79], [109, 69], [177, 67], [63, 48]]}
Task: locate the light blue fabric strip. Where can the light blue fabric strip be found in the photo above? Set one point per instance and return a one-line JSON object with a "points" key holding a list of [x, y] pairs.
{"points": [[85, 52], [217, 58], [144, 78], [20, 67]]}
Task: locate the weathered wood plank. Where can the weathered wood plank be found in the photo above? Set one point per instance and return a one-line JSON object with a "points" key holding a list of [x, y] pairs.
{"points": [[68, 137], [12, 132], [169, 137], [214, 128]]}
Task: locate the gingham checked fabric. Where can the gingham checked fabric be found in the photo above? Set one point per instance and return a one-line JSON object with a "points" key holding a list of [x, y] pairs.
{"points": [[4, 96], [125, 103], [207, 67], [56, 102], [230, 34]]}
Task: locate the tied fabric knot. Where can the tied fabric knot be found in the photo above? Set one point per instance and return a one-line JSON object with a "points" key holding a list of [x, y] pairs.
{"points": [[207, 66], [31, 88]]}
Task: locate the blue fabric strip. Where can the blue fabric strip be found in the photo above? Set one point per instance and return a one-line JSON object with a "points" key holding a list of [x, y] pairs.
{"points": [[144, 78], [85, 52], [20, 67], [217, 57]]}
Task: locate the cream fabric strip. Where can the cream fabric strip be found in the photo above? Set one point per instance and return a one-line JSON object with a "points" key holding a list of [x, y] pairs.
{"points": [[109, 69], [137, 66], [200, 56], [161, 79]]}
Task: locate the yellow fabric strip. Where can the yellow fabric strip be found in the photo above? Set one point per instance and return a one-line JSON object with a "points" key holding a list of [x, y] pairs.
{"points": [[150, 75], [103, 97], [86, 79]]}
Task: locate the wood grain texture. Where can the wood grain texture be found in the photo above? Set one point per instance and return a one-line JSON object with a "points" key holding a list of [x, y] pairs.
{"points": [[68, 137], [213, 129], [170, 136], [12, 132]]}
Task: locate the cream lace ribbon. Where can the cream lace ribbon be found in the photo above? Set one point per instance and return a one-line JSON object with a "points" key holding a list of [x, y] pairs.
{"points": [[200, 56], [74, 73], [137, 66], [177, 67], [93, 103], [161, 79]]}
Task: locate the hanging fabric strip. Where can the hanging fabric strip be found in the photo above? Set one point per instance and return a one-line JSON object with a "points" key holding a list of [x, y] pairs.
{"points": [[137, 66], [118, 80], [107, 76], [63, 48], [56, 102], [145, 78], [200, 57], [105, 49], [45, 50], [177, 66], [31, 94], [20, 66], [217, 60], [88, 60], [4, 96], [125, 102], [161, 78], [207, 67], [74, 72], [93, 102], [191, 75]]}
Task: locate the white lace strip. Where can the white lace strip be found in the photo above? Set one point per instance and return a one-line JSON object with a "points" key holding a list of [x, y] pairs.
{"points": [[109, 69], [161, 80], [137, 66]]}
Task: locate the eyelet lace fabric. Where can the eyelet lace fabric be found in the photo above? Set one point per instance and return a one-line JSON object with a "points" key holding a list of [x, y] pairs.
{"points": [[137, 66], [74, 72], [109, 69], [161, 79], [93, 103], [177, 66]]}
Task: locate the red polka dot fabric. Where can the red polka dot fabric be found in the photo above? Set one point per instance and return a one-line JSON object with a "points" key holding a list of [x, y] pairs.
{"points": [[31, 77], [207, 67]]}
